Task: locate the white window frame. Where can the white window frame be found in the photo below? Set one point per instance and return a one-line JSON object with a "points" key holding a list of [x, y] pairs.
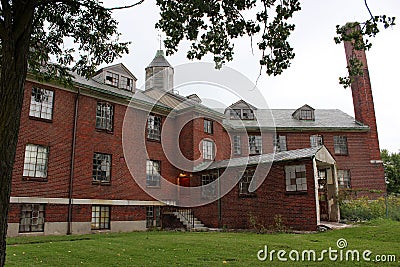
{"points": [[102, 167], [101, 217], [344, 178], [296, 178], [341, 145], [237, 145], [153, 173], [316, 140], [114, 78], [154, 125], [105, 116], [208, 149], [36, 161], [42, 101]]}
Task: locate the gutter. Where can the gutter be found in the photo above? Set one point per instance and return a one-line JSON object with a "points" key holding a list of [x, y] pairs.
{"points": [[72, 166]]}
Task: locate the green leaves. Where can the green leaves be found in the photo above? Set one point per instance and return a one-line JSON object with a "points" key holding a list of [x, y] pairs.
{"points": [[391, 162], [73, 36], [212, 27], [359, 34]]}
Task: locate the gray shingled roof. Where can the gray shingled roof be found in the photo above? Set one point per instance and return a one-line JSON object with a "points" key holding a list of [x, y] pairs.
{"points": [[159, 60], [260, 159], [282, 119]]}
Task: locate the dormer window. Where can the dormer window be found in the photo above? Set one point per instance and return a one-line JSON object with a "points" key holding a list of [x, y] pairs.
{"points": [[126, 83], [111, 79], [305, 113], [247, 114]]}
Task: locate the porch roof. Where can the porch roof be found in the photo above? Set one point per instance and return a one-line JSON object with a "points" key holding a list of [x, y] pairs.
{"points": [[320, 153]]}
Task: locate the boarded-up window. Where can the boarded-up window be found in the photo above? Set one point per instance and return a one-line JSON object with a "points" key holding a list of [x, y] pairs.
{"points": [[296, 179]]}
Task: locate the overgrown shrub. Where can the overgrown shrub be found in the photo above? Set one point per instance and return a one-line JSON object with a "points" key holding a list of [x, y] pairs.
{"points": [[363, 208]]}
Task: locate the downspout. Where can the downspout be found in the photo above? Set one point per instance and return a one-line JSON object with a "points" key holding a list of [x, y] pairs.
{"points": [[219, 202], [72, 166]]}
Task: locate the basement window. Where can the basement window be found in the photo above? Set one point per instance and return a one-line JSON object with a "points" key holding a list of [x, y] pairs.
{"points": [[100, 217], [32, 218], [296, 180], [153, 216]]}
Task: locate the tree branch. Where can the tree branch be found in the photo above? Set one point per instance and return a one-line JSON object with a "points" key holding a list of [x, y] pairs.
{"points": [[125, 7], [369, 10]]}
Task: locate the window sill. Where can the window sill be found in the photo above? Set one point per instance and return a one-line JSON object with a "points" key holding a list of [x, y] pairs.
{"points": [[41, 119], [296, 192], [104, 131], [34, 179], [101, 183], [154, 140], [153, 187], [247, 195]]}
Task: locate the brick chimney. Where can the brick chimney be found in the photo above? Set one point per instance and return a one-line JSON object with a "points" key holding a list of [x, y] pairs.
{"points": [[363, 101]]}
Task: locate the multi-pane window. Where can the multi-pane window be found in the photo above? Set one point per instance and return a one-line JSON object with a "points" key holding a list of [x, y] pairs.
{"points": [[344, 178], [235, 114], [340, 145], [126, 83], [41, 103], [100, 217], [32, 218], [247, 114], [112, 78], [296, 179], [35, 162], [208, 150], [153, 173], [316, 140], [101, 167], [237, 147], [280, 143], [255, 144], [153, 216], [208, 188], [306, 114], [208, 126], [154, 127], [245, 181], [104, 116]]}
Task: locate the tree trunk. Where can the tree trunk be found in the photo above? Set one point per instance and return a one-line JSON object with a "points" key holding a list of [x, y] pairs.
{"points": [[14, 53]]}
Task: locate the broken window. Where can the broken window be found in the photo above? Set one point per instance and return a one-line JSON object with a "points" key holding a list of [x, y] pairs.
{"points": [[344, 178], [247, 114], [126, 83], [244, 183], [154, 127], [104, 116], [35, 162], [153, 168], [32, 218], [101, 168], [280, 143], [112, 78], [316, 140], [340, 145], [255, 144], [100, 217], [41, 103]]}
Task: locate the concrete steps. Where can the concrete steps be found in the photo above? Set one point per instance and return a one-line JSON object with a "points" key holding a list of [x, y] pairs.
{"points": [[191, 223]]}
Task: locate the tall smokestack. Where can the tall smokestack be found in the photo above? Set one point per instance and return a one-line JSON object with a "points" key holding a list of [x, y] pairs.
{"points": [[363, 101]]}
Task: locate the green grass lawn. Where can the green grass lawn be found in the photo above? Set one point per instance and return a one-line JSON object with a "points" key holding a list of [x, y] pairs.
{"points": [[198, 249]]}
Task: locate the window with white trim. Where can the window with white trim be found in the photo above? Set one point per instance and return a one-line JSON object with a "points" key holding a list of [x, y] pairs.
{"points": [[154, 127], [208, 188], [101, 168], [32, 218], [316, 140], [280, 143], [126, 83], [296, 179], [208, 150], [208, 126], [104, 116], [340, 145], [255, 144], [237, 146], [111, 78], [36, 160], [153, 176], [100, 217], [244, 183], [41, 103], [153, 216], [344, 178]]}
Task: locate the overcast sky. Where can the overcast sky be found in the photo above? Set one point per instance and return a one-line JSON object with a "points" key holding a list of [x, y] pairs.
{"points": [[313, 77]]}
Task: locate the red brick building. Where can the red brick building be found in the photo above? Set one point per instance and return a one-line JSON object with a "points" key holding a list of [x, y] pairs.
{"points": [[73, 174]]}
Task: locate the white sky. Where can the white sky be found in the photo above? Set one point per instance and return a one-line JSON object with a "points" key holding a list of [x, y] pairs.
{"points": [[313, 76]]}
